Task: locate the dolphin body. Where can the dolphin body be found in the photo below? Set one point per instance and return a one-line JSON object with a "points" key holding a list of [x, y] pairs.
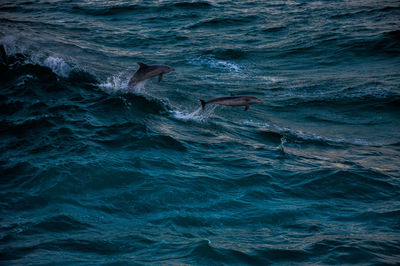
{"points": [[145, 72], [233, 101]]}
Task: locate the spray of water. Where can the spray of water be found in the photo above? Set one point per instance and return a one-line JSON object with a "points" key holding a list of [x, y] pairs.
{"points": [[199, 115], [281, 147], [119, 83]]}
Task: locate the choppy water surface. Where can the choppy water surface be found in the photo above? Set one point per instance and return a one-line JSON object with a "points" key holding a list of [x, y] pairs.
{"points": [[95, 172]]}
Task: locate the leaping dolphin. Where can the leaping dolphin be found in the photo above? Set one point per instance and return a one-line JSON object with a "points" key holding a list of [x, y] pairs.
{"points": [[233, 101], [145, 72]]}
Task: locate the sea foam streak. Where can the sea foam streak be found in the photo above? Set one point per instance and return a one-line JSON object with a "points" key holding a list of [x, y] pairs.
{"points": [[216, 63], [239, 71], [58, 65], [197, 115]]}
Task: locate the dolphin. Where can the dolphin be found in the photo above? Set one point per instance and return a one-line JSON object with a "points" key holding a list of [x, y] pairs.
{"points": [[233, 101], [145, 72]]}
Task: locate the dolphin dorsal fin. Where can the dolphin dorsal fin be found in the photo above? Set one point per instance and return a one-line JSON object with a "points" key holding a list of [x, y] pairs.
{"points": [[141, 65]]}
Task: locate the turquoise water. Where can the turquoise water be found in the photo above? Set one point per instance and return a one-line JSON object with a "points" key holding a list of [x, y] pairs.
{"points": [[94, 172]]}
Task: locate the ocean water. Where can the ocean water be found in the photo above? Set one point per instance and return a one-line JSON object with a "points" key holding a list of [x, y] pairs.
{"points": [[93, 172]]}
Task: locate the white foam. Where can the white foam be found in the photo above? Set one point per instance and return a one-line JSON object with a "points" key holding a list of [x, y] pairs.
{"points": [[271, 79], [119, 83], [115, 83], [216, 63], [197, 115], [236, 70], [265, 125], [58, 65]]}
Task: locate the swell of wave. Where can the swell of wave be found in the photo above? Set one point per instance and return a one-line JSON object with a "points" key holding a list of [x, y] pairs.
{"points": [[360, 95], [119, 9], [223, 22], [353, 183], [275, 133], [19, 55], [216, 63], [107, 11]]}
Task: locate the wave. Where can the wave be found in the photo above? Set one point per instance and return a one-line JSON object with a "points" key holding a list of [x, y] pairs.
{"points": [[107, 11], [213, 62], [223, 22], [192, 5], [58, 66], [117, 83], [275, 133], [32, 80], [117, 103], [138, 138], [59, 223], [384, 43], [19, 56], [9, 8], [16, 173], [378, 11], [273, 29], [27, 127], [119, 9], [350, 184], [357, 96], [197, 115], [226, 53]]}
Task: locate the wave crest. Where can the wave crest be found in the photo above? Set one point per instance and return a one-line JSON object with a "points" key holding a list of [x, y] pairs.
{"points": [[197, 115], [274, 133]]}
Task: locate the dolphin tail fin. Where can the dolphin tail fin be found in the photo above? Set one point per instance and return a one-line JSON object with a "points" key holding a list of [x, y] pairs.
{"points": [[203, 104], [141, 65]]}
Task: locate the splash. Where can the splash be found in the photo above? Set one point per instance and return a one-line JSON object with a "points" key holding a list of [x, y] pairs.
{"points": [[197, 115], [56, 63], [58, 66], [115, 83], [119, 83], [139, 87], [281, 147]]}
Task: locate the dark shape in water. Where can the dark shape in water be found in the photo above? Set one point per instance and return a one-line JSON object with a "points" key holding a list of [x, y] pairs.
{"points": [[3, 54], [233, 101], [145, 72]]}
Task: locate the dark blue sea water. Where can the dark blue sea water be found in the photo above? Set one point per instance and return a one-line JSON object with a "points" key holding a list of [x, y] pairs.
{"points": [[93, 172]]}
